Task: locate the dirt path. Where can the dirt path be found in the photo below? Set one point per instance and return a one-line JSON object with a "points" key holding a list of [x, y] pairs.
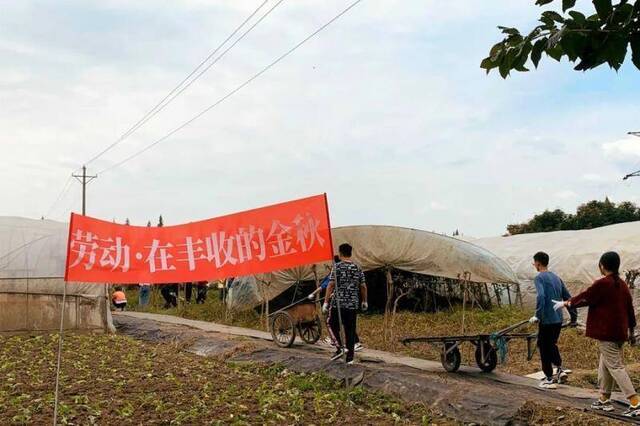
{"points": [[468, 396]]}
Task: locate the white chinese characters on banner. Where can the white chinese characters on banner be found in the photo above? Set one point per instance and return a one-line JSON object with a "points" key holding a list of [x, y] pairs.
{"points": [[111, 252], [218, 248]]}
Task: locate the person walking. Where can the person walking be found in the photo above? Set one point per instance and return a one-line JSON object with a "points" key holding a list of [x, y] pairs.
{"points": [[349, 292], [611, 321], [549, 287], [330, 320]]}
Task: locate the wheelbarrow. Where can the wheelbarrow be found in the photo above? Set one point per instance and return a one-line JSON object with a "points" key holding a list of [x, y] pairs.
{"points": [[487, 346], [301, 317]]}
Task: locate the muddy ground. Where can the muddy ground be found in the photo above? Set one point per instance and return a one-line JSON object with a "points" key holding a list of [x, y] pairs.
{"points": [[466, 397]]}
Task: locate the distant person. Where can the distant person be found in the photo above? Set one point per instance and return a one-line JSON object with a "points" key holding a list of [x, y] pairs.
{"points": [[202, 287], [611, 321], [170, 294], [144, 294], [349, 292], [119, 299], [549, 287]]}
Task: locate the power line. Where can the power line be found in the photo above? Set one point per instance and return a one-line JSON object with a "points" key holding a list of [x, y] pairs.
{"points": [[232, 92], [165, 101], [65, 188]]}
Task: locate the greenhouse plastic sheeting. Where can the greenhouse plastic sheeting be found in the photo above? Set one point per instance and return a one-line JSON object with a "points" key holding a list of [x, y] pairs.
{"points": [[32, 260], [574, 254], [375, 247]]}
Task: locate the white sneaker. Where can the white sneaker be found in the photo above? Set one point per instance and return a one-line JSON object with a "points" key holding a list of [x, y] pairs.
{"points": [[602, 405], [327, 341], [358, 347], [632, 411], [561, 376], [338, 354], [547, 383]]}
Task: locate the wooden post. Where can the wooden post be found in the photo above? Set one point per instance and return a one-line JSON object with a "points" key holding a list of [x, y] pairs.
{"points": [[464, 302], [388, 304], [495, 290], [486, 291]]}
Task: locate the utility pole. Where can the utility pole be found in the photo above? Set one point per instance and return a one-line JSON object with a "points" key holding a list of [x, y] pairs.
{"points": [[84, 180]]}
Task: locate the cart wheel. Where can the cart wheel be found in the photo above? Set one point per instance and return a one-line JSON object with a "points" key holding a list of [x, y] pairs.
{"points": [[282, 329], [450, 361], [490, 355], [310, 331]]}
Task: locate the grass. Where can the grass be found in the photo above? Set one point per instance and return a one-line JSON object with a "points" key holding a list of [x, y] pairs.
{"points": [[112, 379]]}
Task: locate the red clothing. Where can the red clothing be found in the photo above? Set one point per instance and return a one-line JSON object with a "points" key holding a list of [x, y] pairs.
{"points": [[611, 312]]}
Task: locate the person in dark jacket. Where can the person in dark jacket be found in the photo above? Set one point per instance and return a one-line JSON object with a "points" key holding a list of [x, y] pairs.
{"points": [[549, 287], [611, 321]]}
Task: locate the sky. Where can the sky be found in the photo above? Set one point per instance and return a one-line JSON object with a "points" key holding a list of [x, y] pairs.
{"points": [[386, 110]]}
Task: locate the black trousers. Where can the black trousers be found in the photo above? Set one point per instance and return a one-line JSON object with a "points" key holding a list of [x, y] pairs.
{"points": [[333, 318], [548, 335], [349, 321], [169, 299], [201, 293], [188, 290]]}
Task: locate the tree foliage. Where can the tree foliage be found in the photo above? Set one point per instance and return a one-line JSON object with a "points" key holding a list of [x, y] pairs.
{"points": [[588, 41], [589, 215]]}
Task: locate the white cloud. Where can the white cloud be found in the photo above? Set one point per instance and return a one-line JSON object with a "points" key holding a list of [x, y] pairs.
{"points": [[565, 194], [622, 149], [592, 177], [385, 109], [435, 205]]}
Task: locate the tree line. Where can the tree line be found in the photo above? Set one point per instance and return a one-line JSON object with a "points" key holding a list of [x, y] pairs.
{"points": [[589, 215]]}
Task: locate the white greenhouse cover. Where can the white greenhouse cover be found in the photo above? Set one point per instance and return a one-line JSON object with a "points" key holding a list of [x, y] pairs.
{"points": [[32, 261], [375, 247], [574, 254]]}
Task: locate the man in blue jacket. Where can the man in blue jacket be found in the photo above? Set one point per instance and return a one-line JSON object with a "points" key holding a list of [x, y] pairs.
{"points": [[549, 287]]}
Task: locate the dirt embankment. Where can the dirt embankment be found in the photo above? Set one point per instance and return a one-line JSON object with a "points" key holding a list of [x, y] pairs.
{"points": [[464, 397]]}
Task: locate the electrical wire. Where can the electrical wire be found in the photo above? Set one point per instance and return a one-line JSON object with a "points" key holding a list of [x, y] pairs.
{"points": [[165, 101], [63, 192], [231, 93]]}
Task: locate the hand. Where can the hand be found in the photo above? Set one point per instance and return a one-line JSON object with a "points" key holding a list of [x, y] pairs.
{"points": [[365, 306], [558, 304], [325, 308], [534, 319], [311, 296]]}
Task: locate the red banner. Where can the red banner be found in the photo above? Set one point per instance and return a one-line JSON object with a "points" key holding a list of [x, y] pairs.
{"points": [[256, 241]]}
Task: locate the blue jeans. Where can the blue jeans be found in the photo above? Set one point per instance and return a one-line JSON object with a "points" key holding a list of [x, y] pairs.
{"points": [[144, 295]]}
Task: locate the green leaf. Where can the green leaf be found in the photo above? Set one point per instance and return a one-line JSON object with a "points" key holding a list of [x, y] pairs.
{"points": [[510, 31], [495, 51], [536, 52], [488, 64], [616, 50], [568, 4], [555, 52], [543, 2], [554, 16], [573, 45], [578, 17], [506, 62], [604, 8], [635, 50]]}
